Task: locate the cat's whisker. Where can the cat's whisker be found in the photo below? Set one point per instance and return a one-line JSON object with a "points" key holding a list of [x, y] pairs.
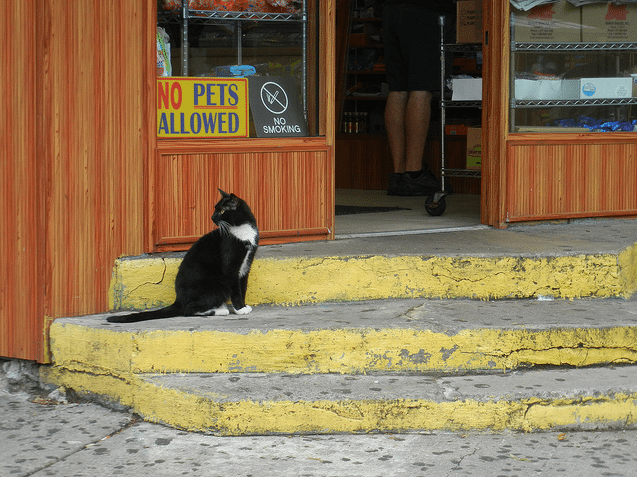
{"points": [[224, 226]]}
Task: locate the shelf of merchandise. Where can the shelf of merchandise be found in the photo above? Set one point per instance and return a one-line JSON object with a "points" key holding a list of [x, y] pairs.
{"points": [[356, 75], [535, 47], [579, 46], [446, 102], [186, 15]]}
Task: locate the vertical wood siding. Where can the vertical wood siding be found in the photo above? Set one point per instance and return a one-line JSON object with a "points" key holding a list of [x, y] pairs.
{"points": [[565, 178], [73, 156], [92, 107], [20, 173], [80, 164], [288, 191], [495, 111]]}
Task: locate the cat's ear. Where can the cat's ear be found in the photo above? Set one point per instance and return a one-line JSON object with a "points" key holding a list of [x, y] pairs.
{"points": [[225, 195]]}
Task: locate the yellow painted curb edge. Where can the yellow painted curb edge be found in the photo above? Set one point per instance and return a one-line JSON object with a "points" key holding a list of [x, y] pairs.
{"points": [[198, 413], [343, 351], [627, 262], [149, 282]]}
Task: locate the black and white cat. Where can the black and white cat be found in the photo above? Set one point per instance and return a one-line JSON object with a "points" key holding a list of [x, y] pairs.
{"points": [[215, 269]]}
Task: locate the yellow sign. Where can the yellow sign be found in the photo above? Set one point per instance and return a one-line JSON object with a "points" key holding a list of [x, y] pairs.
{"points": [[202, 107]]}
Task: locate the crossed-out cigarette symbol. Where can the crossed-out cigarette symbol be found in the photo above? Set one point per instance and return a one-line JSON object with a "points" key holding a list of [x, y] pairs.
{"points": [[270, 93]]}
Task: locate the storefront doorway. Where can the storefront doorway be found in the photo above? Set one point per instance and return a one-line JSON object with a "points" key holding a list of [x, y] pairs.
{"points": [[362, 159]]}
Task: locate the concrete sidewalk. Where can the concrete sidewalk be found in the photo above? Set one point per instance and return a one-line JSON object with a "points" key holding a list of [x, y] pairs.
{"points": [[47, 438]]}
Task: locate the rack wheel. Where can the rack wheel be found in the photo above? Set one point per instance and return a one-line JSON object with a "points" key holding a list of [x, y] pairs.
{"points": [[435, 208]]}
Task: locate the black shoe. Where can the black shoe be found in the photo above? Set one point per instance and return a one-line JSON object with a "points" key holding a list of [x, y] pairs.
{"points": [[425, 184], [394, 183]]}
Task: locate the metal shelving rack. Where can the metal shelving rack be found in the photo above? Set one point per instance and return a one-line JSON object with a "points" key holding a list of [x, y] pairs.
{"points": [[435, 204], [564, 47], [360, 102], [187, 15]]}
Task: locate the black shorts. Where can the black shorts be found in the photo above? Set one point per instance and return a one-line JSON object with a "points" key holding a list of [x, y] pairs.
{"points": [[412, 47]]}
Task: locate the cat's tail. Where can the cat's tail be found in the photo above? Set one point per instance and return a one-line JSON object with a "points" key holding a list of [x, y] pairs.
{"points": [[167, 312]]}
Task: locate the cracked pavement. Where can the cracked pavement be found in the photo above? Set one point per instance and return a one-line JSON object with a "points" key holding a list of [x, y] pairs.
{"points": [[48, 438]]}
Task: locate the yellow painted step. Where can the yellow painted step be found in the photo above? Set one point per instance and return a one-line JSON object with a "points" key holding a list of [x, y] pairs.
{"points": [[249, 404], [586, 259], [360, 337]]}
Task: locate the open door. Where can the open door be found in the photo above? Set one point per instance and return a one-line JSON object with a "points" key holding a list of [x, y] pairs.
{"points": [[495, 94]]}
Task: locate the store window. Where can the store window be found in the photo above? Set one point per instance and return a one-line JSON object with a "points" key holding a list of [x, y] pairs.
{"points": [[209, 50], [573, 67]]}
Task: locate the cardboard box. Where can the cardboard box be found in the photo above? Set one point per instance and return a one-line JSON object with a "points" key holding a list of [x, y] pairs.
{"points": [[465, 65], [548, 23], [597, 88], [455, 130], [474, 148], [466, 89], [538, 89], [608, 22], [357, 40], [469, 21]]}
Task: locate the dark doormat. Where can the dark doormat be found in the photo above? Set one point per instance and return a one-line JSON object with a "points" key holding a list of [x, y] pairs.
{"points": [[356, 209]]}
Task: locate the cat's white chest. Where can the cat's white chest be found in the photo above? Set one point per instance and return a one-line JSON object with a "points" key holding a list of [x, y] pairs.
{"points": [[245, 233]]}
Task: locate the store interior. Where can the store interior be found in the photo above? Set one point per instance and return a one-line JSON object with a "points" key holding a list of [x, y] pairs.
{"points": [[373, 213], [363, 162]]}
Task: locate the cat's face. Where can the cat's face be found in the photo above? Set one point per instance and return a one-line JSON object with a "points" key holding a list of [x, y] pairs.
{"points": [[228, 210]]}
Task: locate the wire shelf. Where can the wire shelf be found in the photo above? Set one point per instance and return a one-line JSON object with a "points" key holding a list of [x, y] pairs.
{"points": [[607, 46]]}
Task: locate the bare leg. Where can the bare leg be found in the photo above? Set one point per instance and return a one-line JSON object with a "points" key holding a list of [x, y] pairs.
{"points": [[407, 117], [417, 117], [395, 125]]}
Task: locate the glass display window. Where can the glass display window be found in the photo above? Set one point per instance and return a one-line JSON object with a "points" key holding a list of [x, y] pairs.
{"points": [[573, 67], [244, 39]]}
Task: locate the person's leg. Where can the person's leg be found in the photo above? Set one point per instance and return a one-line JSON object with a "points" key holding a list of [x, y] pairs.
{"points": [[417, 180], [395, 110], [417, 117]]}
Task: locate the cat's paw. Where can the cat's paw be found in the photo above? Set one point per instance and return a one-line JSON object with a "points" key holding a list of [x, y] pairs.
{"points": [[222, 311], [243, 311]]}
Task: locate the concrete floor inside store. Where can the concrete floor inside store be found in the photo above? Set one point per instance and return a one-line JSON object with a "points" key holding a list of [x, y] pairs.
{"points": [[408, 216]]}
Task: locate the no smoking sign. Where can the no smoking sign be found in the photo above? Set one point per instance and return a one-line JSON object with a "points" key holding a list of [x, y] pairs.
{"points": [[274, 102]]}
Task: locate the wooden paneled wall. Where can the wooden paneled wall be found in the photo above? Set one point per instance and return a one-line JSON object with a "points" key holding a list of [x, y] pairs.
{"points": [[91, 103], [80, 163], [75, 139], [569, 175], [289, 189], [545, 176], [21, 176], [495, 111]]}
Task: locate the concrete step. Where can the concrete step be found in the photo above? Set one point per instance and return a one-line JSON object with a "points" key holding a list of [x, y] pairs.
{"points": [[361, 337], [386, 365], [239, 404], [591, 258], [260, 403]]}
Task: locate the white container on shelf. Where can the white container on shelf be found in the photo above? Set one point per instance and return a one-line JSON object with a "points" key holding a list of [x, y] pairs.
{"points": [[538, 89], [466, 89], [597, 88]]}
